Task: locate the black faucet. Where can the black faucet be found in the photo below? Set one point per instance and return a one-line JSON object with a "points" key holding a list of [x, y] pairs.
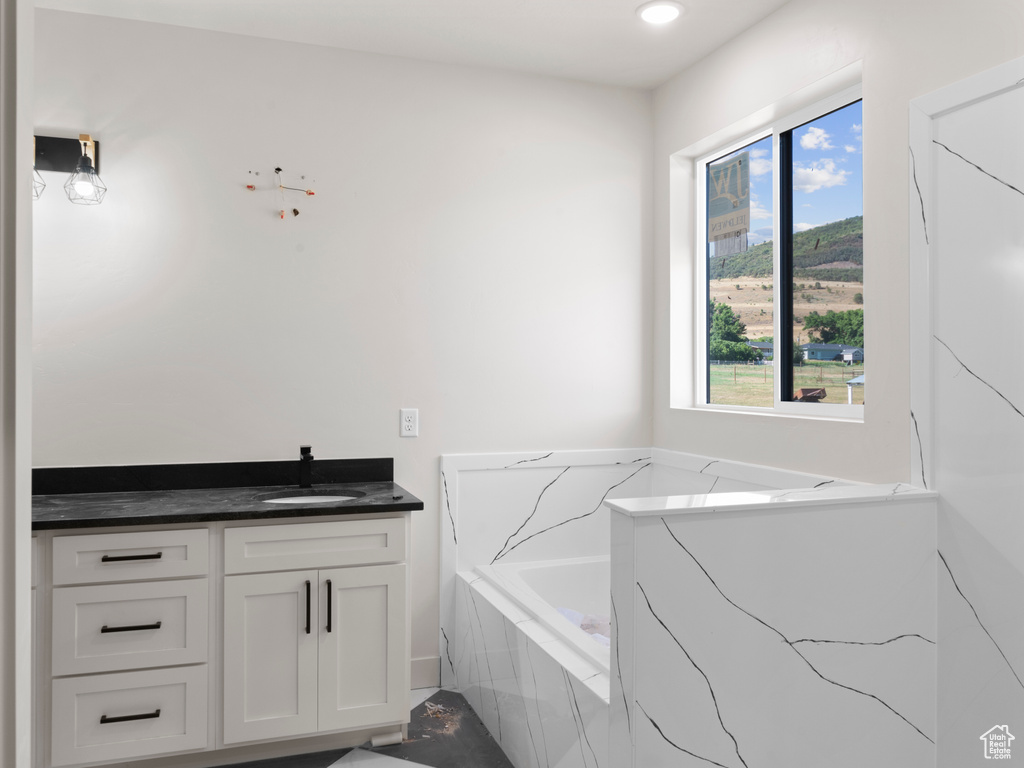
{"points": [[305, 466]]}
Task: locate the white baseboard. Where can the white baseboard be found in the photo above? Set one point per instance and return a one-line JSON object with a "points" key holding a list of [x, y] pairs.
{"points": [[426, 672]]}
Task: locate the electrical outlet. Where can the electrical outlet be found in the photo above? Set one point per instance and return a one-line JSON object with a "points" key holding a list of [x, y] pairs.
{"points": [[409, 424]]}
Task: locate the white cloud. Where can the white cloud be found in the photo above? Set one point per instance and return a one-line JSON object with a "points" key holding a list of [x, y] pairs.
{"points": [[856, 127], [850, 148], [815, 138], [803, 227], [759, 166], [820, 175], [760, 162], [757, 211]]}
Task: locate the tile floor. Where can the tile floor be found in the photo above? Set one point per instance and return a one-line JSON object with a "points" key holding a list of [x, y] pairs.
{"points": [[444, 733]]}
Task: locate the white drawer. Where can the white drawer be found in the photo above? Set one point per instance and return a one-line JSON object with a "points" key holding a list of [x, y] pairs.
{"points": [[314, 545], [129, 626], [130, 556], [116, 717]]}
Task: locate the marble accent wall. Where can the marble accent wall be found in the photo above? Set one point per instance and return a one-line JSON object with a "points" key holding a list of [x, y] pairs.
{"points": [[782, 636], [967, 201]]}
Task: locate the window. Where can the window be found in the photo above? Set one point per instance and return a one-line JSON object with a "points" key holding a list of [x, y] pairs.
{"points": [[781, 222]]}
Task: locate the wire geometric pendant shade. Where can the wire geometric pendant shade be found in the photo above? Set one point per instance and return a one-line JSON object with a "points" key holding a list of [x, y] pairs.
{"points": [[84, 186]]}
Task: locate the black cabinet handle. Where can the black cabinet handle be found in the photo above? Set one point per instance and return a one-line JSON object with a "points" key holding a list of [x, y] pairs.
{"points": [[130, 628], [329, 601], [124, 718], [122, 558], [307, 606]]}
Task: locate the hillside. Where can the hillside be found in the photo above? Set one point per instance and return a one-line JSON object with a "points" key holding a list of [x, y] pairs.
{"points": [[830, 252]]}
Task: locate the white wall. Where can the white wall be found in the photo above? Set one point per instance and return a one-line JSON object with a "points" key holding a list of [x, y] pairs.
{"points": [[16, 597], [907, 49], [477, 249]]}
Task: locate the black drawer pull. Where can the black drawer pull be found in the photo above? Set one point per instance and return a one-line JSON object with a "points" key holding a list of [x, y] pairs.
{"points": [[330, 600], [307, 605], [131, 628], [125, 718], [122, 558]]}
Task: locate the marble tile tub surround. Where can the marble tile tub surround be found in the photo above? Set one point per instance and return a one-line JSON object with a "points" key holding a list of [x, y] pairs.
{"points": [[83, 497], [517, 507], [966, 196], [546, 703], [775, 633], [545, 708]]}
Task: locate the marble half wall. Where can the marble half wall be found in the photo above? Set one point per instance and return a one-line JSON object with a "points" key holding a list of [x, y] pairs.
{"points": [[967, 398], [795, 636]]}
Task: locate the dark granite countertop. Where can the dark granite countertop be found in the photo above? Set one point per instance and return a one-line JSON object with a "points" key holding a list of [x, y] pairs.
{"points": [[152, 495]]}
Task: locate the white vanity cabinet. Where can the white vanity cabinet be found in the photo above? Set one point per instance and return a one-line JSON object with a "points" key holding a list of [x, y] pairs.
{"points": [[134, 607], [180, 640], [320, 649]]}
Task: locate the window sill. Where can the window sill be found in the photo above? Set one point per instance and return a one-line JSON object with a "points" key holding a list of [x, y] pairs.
{"points": [[849, 414]]}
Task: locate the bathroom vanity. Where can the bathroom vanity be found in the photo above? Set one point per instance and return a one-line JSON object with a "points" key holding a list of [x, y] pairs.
{"points": [[176, 622]]}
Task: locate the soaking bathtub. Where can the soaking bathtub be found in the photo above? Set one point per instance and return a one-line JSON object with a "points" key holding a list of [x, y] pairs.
{"points": [[539, 682], [546, 590], [548, 691]]}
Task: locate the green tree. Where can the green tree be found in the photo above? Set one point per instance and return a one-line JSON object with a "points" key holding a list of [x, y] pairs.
{"points": [[733, 351], [836, 327], [728, 339], [726, 324]]}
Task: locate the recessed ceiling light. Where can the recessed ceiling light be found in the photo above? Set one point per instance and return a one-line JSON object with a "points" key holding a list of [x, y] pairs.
{"points": [[659, 11]]}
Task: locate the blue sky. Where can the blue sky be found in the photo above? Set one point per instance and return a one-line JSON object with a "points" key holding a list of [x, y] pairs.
{"points": [[827, 174]]}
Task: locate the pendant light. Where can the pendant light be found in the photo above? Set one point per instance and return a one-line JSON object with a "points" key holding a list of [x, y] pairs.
{"points": [[38, 185], [84, 186]]}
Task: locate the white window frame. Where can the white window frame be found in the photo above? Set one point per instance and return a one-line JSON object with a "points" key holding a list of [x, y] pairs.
{"points": [[775, 128]]}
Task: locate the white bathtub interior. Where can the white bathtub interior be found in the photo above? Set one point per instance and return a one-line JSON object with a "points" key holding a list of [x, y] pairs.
{"points": [[548, 590]]}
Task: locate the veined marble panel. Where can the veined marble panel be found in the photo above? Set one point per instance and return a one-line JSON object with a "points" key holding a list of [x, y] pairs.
{"points": [[525, 507], [798, 637], [544, 711], [968, 395]]}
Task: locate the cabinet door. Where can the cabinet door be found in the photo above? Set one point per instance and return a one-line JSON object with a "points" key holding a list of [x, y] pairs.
{"points": [[270, 655], [364, 658]]}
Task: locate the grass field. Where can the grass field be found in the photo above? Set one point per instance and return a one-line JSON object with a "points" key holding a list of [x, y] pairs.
{"points": [[754, 384]]}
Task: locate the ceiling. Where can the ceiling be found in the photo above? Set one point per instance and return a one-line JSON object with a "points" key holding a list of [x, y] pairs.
{"points": [[601, 41]]}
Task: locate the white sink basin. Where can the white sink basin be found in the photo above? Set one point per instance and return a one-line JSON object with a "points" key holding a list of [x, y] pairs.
{"points": [[323, 495], [310, 499]]}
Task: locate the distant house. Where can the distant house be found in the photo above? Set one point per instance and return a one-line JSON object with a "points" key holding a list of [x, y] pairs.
{"points": [[822, 351], [764, 347], [847, 354], [853, 355]]}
